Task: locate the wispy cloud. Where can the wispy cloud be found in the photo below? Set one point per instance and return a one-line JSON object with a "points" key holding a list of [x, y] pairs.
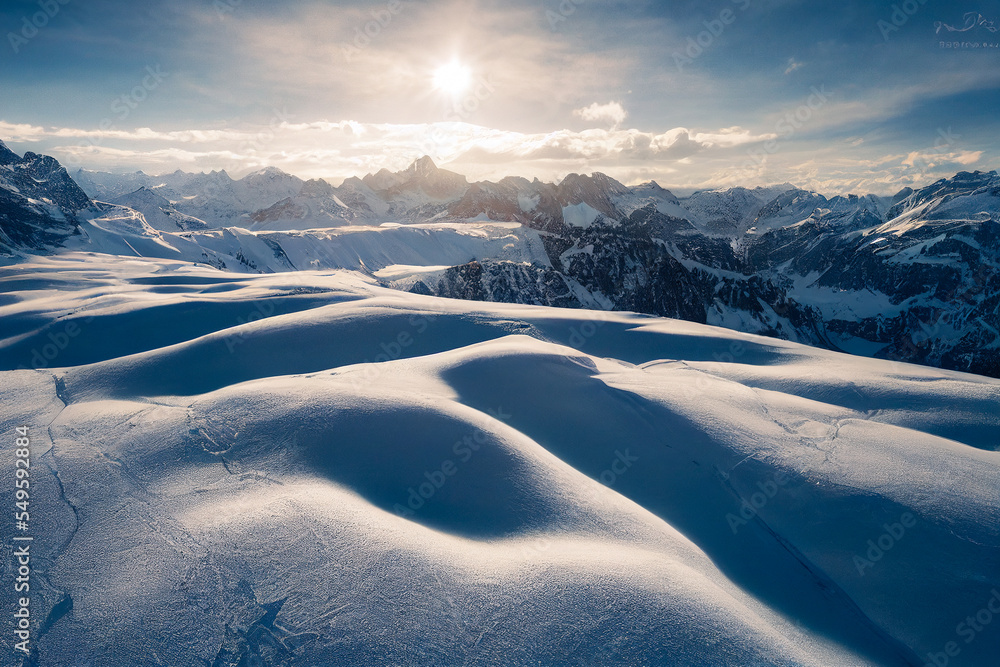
{"points": [[23, 132], [793, 65]]}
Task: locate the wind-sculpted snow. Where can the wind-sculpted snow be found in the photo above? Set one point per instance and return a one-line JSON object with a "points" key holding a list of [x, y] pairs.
{"points": [[307, 468]]}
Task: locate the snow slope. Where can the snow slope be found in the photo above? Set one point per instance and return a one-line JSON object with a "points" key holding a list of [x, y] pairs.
{"points": [[308, 469], [119, 230], [159, 213]]}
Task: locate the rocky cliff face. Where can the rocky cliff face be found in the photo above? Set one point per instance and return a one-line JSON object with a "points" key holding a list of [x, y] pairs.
{"points": [[39, 202]]}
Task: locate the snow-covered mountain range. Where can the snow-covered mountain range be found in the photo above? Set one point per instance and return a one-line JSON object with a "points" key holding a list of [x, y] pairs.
{"points": [[912, 277]]}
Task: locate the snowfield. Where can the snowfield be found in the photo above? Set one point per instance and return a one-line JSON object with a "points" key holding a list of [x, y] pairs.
{"points": [[306, 468]]}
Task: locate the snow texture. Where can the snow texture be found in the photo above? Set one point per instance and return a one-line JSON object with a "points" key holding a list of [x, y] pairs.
{"points": [[307, 468]]}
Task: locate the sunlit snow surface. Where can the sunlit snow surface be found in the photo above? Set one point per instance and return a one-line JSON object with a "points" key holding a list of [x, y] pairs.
{"points": [[223, 465]]}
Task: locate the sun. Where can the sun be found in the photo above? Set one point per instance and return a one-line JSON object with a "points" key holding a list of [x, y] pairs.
{"points": [[452, 78]]}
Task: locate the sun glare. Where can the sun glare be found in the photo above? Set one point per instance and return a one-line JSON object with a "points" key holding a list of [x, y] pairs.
{"points": [[453, 78]]}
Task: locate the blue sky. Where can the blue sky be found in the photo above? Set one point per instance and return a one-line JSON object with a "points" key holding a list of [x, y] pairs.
{"points": [[836, 96]]}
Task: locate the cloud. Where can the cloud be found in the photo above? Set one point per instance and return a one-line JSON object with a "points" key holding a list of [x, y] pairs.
{"points": [[22, 132], [936, 158], [730, 136], [679, 158], [161, 157], [793, 65], [612, 112], [346, 148]]}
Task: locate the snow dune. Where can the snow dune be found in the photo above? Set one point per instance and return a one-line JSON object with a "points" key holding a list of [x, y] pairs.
{"points": [[310, 469]]}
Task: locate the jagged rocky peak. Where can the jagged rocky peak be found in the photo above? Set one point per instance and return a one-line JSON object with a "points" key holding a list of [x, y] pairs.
{"points": [[39, 202], [357, 185], [653, 189], [901, 195], [42, 166], [595, 183], [7, 156], [975, 177], [793, 199], [272, 177], [423, 166], [146, 195], [270, 172], [596, 190], [518, 182], [946, 189], [421, 176], [317, 187], [383, 179], [42, 177]]}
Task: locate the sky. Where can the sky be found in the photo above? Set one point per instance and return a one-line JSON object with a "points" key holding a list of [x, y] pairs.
{"points": [[834, 96]]}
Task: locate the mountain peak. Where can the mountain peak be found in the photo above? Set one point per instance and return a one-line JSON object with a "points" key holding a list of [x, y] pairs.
{"points": [[422, 175], [654, 189], [270, 172], [7, 156], [423, 165], [317, 187], [141, 197]]}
